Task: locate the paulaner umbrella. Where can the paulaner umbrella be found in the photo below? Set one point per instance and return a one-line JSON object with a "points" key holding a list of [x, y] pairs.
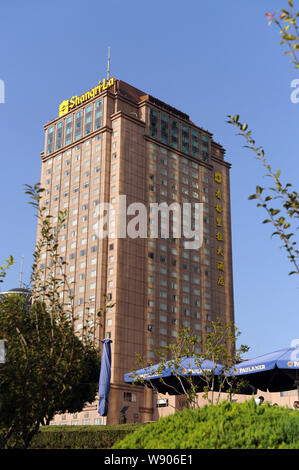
{"points": [[105, 374], [277, 371], [165, 378]]}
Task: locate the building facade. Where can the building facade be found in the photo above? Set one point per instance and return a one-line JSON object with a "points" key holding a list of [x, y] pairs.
{"points": [[113, 141]]}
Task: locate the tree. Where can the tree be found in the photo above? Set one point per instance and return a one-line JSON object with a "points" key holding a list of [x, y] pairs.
{"points": [[48, 369], [279, 200], [3, 269], [218, 347], [44, 368]]}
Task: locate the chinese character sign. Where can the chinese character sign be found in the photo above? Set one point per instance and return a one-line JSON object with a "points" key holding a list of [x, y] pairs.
{"points": [[220, 262]]}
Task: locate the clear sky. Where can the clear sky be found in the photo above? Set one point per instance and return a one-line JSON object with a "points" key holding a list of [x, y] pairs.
{"points": [[207, 58]]}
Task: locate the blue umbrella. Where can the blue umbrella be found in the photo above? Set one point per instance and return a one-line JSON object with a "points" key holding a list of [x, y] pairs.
{"points": [[105, 374], [276, 371], [189, 366]]}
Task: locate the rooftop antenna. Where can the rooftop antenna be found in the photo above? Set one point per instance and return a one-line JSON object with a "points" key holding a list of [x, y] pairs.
{"points": [[108, 65], [21, 272]]}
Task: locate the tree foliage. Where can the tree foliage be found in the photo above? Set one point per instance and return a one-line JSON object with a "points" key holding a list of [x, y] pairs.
{"points": [[218, 347], [286, 21], [279, 200], [43, 371], [48, 369], [227, 425]]}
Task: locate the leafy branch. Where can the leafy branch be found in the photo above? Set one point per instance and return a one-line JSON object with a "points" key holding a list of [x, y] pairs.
{"points": [[217, 347], [285, 218], [286, 21]]}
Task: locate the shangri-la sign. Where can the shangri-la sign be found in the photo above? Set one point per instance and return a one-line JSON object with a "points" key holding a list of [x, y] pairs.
{"points": [[68, 105]]}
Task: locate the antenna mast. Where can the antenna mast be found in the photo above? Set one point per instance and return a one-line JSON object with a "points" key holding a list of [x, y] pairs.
{"points": [[108, 65], [21, 272]]}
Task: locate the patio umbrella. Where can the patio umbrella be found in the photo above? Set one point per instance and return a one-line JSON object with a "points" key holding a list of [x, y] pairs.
{"points": [[277, 371], [105, 374], [170, 383]]}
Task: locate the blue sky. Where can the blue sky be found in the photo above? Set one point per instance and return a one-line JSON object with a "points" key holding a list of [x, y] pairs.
{"points": [[209, 59]]}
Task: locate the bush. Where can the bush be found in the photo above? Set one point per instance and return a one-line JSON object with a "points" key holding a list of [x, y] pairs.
{"points": [[223, 426], [81, 437]]}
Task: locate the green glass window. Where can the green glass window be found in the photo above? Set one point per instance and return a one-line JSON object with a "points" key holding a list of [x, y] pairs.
{"points": [[185, 139], [195, 143], [164, 129], [88, 120], [78, 124], [98, 114], [68, 130], [59, 135], [174, 139], [50, 139], [154, 123], [205, 147]]}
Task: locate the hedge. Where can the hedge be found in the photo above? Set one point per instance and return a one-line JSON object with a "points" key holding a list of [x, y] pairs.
{"points": [[223, 426], [81, 437]]}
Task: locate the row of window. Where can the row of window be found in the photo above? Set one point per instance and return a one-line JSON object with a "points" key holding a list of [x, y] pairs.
{"points": [[179, 136], [75, 126], [76, 422], [164, 282]]}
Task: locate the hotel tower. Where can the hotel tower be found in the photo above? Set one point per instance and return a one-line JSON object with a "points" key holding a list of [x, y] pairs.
{"points": [[116, 140]]}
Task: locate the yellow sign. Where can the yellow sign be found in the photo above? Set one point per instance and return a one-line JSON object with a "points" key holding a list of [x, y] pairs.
{"points": [[68, 105], [217, 177]]}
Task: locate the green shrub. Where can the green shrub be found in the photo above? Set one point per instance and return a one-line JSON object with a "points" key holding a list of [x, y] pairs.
{"points": [[81, 437], [224, 426]]}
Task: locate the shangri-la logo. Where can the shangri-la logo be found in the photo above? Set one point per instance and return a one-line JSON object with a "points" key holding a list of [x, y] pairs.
{"points": [[74, 101], [64, 107]]}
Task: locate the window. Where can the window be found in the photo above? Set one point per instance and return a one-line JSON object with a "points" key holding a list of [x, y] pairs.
{"points": [[164, 129], [129, 396], [98, 421], [78, 124], [50, 139], [88, 119], [153, 123], [174, 139], [205, 147], [98, 112], [185, 139], [59, 133], [68, 130], [195, 143]]}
